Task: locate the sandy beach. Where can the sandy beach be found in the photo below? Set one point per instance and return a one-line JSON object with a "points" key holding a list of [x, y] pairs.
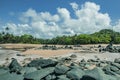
{"points": [[32, 52]]}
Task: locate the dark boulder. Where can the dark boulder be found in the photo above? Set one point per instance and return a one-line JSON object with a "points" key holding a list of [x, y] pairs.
{"points": [[61, 69], [13, 76], [117, 60], [15, 66], [85, 77], [114, 69], [66, 59], [116, 65], [73, 56], [94, 74], [39, 74], [26, 70], [50, 77], [92, 60], [3, 71], [62, 77], [75, 66], [75, 74], [83, 60], [110, 70], [97, 74], [42, 63]]}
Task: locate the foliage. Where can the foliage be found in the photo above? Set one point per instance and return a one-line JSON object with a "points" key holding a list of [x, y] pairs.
{"points": [[103, 36]]}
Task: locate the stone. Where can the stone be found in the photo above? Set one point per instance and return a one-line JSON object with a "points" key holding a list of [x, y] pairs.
{"points": [[50, 77], [97, 74], [27, 70], [62, 77], [61, 69], [99, 64], [3, 71], [83, 60], [106, 77], [92, 60], [117, 60], [107, 70], [73, 56], [20, 55], [116, 65], [14, 66], [114, 69], [39, 74], [82, 64], [13, 76], [42, 63], [75, 66], [94, 74], [75, 74]]}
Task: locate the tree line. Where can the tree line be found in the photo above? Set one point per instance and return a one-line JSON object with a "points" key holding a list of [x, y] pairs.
{"points": [[103, 36]]}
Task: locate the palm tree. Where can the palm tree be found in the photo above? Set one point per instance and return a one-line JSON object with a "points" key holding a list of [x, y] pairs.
{"points": [[7, 29], [7, 35]]}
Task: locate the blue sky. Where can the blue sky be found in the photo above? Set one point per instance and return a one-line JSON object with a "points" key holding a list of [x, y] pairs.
{"points": [[8, 6], [12, 10]]}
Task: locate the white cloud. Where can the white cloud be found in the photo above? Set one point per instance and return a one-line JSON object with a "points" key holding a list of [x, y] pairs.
{"points": [[63, 13], [117, 26], [74, 5], [18, 29], [46, 25]]}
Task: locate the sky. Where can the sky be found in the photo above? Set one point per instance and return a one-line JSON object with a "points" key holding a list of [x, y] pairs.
{"points": [[51, 18]]}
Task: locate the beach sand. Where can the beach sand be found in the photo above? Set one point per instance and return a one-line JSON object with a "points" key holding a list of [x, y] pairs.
{"points": [[32, 53]]}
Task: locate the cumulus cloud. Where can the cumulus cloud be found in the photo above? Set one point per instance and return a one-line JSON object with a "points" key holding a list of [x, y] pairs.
{"points": [[18, 29], [88, 19], [116, 27]]}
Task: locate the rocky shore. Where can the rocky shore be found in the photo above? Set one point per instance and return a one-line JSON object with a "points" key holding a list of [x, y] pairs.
{"points": [[63, 68]]}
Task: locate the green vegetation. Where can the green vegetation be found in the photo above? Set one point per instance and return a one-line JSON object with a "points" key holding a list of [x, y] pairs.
{"points": [[103, 36]]}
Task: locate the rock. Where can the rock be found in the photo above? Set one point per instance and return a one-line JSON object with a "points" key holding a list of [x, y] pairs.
{"points": [[61, 69], [116, 65], [99, 64], [19, 55], [75, 74], [107, 70], [97, 74], [68, 47], [3, 71], [66, 59], [99, 46], [50, 77], [114, 69], [117, 60], [92, 60], [39, 74], [82, 64], [89, 66], [13, 76], [75, 66], [83, 60], [14, 66], [73, 56], [27, 70], [106, 77], [62, 77], [42, 63]]}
